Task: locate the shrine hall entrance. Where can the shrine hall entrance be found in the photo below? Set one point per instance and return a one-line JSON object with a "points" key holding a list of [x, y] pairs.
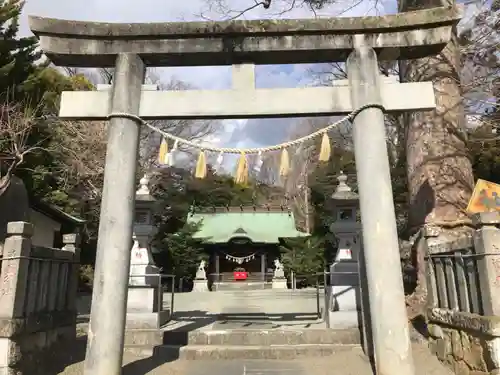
{"points": [[241, 261]]}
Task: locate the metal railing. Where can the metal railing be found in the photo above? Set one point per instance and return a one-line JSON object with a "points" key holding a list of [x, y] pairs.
{"points": [[311, 279]]}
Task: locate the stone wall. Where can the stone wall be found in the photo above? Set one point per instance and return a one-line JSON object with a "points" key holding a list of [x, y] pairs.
{"points": [[463, 280], [37, 300], [468, 343]]}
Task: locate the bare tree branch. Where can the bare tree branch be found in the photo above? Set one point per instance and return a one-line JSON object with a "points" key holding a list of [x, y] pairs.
{"points": [[224, 10], [17, 124]]}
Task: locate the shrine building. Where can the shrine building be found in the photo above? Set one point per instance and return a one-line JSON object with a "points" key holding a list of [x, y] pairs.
{"points": [[243, 242]]}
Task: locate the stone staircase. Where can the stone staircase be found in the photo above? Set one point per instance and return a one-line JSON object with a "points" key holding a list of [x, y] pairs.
{"points": [[259, 332], [254, 324], [240, 285], [276, 344], [232, 332], [255, 281]]}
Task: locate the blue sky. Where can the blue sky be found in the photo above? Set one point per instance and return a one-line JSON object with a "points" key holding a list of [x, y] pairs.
{"points": [[233, 133]]}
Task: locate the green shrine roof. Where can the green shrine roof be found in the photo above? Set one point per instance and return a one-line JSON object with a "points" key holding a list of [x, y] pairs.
{"points": [[260, 225]]}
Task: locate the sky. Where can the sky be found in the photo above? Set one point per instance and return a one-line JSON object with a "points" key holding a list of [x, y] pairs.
{"points": [[231, 133]]}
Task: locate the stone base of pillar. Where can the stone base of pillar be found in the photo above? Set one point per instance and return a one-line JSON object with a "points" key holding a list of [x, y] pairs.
{"points": [[344, 298], [145, 308], [200, 286], [144, 275], [279, 284], [344, 319], [147, 320], [343, 306]]}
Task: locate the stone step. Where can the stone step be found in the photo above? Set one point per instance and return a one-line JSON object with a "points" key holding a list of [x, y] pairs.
{"points": [[215, 352], [242, 285], [261, 294], [267, 293], [243, 337], [263, 337], [147, 338]]}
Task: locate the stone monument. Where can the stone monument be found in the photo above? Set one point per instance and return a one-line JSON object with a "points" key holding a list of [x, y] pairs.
{"points": [[145, 292], [343, 294], [279, 280], [200, 283]]}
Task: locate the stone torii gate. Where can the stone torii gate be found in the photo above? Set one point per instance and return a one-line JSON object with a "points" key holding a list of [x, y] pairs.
{"points": [[129, 48]]}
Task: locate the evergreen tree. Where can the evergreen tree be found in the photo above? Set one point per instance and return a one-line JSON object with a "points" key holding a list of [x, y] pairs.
{"points": [[181, 253], [305, 257], [17, 55]]}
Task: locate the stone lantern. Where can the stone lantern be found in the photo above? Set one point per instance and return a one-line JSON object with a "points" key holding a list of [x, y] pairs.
{"points": [[145, 291], [141, 261], [343, 296], [346, 228]]}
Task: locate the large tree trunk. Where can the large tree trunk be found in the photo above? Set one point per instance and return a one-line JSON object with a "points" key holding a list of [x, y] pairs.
{"points": [[440, 178]]}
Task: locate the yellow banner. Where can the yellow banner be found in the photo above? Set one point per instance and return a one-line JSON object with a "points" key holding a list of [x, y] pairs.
{"points": [[485, 197]]}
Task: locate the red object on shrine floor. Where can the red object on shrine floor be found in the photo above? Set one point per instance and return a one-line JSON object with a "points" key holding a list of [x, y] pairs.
{"points": [[240, 275]]}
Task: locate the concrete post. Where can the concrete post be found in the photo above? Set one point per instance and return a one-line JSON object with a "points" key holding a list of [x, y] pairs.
{"points": [[487, 243], [14, 287], [109, 300], [390, 331], [14, 269], [72, 244]]}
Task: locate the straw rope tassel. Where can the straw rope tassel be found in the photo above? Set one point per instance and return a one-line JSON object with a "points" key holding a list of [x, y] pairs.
{"points": [[242, 170], [285, 163], [201, 166], [163, 152], [326, 149]]}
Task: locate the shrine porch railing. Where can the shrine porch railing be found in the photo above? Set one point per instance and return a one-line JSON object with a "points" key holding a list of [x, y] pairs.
{"points": [[463, 284], [453, 278], [38, 288]]}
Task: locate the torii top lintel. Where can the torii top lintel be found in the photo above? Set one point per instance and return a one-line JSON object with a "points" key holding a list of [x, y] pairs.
{"points": [[93, 44]]}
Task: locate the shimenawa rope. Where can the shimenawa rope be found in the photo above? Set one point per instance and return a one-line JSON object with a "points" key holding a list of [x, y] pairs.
{"points": [[241, 176], [254, 150]]}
